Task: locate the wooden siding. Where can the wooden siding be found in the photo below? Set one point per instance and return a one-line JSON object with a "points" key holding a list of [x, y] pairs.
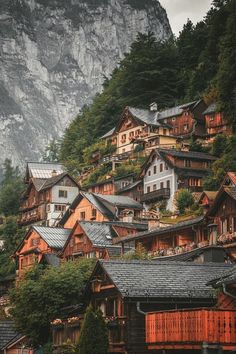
{"points": [[84, 207], [191, 326], [182, 124], [217, 124]]}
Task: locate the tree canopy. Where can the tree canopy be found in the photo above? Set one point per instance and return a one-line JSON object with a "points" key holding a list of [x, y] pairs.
{"points": [[47, 290]]}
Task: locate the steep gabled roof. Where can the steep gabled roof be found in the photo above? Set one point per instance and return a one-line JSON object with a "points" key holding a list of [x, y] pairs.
{"points": [[130, 186], [152, 279], [108, 134], [231, 191], [210, 109], [8, 333], [43, 170], [211, 195], [119, 201], [53, 236], [50, 182]]}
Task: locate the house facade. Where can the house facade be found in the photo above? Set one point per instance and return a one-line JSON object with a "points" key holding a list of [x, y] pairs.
{"points": [[117, 288], [216, 123], [167, 171], [141, 127], [48, 194], [38, 242], [99, 207]]}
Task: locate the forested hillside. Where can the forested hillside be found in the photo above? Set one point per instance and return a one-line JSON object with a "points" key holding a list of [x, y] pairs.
{"points": [[199, 63]]}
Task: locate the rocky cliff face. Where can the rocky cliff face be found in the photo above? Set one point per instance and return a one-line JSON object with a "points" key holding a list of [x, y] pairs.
{"points": [[54, 56]]}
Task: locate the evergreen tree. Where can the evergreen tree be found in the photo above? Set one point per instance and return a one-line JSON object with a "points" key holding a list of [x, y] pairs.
{"points": [[94, 336], [10, 189]]}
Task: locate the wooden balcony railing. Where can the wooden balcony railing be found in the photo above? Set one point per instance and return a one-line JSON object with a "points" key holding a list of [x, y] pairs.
{"points": [[191, 326], [163, 193]]}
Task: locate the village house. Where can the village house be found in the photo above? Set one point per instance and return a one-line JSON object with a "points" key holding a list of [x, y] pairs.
{"points": [[11, 342], [100, 207], [176, 239], [92, 239], [50, 190], [167, 171], [133, 190], [40, 244], [222, 219], [127, 291], [216, 123], [206, 199], [140, 127], [111, 185]]}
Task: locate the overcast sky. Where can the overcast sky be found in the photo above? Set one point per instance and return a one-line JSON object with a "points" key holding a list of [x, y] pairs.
{"points": [[179, 11]]}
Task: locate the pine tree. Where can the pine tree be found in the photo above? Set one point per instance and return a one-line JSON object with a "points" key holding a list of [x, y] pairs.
{"points": [[94, 337]]}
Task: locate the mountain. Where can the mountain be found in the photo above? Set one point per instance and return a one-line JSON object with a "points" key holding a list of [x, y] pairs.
{"points": [[54, 57]]}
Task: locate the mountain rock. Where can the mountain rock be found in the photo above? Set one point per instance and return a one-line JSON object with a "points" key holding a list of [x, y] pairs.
{"points": [[54, 57]]}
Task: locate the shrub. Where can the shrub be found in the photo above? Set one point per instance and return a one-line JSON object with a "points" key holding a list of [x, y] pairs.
{"points": [[184, 200]]}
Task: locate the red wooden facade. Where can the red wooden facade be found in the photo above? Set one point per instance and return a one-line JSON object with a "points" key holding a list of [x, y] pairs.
{"points": [[216, 123], [188, 329]]}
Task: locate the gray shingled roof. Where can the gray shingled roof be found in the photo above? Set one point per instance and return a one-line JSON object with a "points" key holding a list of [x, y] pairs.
{"points": [[130, 186], [186, 154], [99, 233], [7, 333], [151, 279], [98, 204], [164, 230], [110, 133], [210, 109], [155, 118], [50, 182], [119, 201], [54, 237], [228, 277], [44, 170]]}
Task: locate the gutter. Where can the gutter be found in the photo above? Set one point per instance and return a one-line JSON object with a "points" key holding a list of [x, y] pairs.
{"points": [[226, 292]]}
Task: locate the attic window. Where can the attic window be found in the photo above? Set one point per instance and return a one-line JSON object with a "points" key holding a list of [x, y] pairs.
{"points": [[173, 119], [62, 194], [94, 213], [82, 215]]}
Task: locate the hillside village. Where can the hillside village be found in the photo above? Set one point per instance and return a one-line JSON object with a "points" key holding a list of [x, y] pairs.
{"points": [[137, 229]]}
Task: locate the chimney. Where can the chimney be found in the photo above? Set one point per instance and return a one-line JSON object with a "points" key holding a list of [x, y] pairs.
{"points": [[153, 107], [153, 224], [54, 173]]}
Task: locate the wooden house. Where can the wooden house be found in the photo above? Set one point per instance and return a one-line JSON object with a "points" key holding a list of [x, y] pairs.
{"points": [[127, 291], [133, 190], [111, 185], [216, 123], [141, 127], [49, 192], [177, 239], [206, 199], [39, 242], [167, 171], [93, 239], [186, 120], [99, 207], [11, 342], [222, 219]]}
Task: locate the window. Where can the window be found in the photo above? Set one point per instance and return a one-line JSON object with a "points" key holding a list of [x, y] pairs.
{"points": [[148, 189], [154, 170], [161, 167], [62, 194], [173, 119], [187, 163], [48, 207], [154, 187], [123, 138], [161, 185], [166, 167], [59, 208], [168, 184], [164, 131], [35, 241], [207, 164], [82, 215], [212, 117], [94, 213], [149, 173], [186, 126]]}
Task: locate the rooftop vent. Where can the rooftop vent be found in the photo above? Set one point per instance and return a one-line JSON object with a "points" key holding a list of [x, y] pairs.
{"points": [[153, 107]]}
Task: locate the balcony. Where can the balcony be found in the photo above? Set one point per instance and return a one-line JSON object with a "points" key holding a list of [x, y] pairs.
{"points": [[193, 327], [159, 194]]}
